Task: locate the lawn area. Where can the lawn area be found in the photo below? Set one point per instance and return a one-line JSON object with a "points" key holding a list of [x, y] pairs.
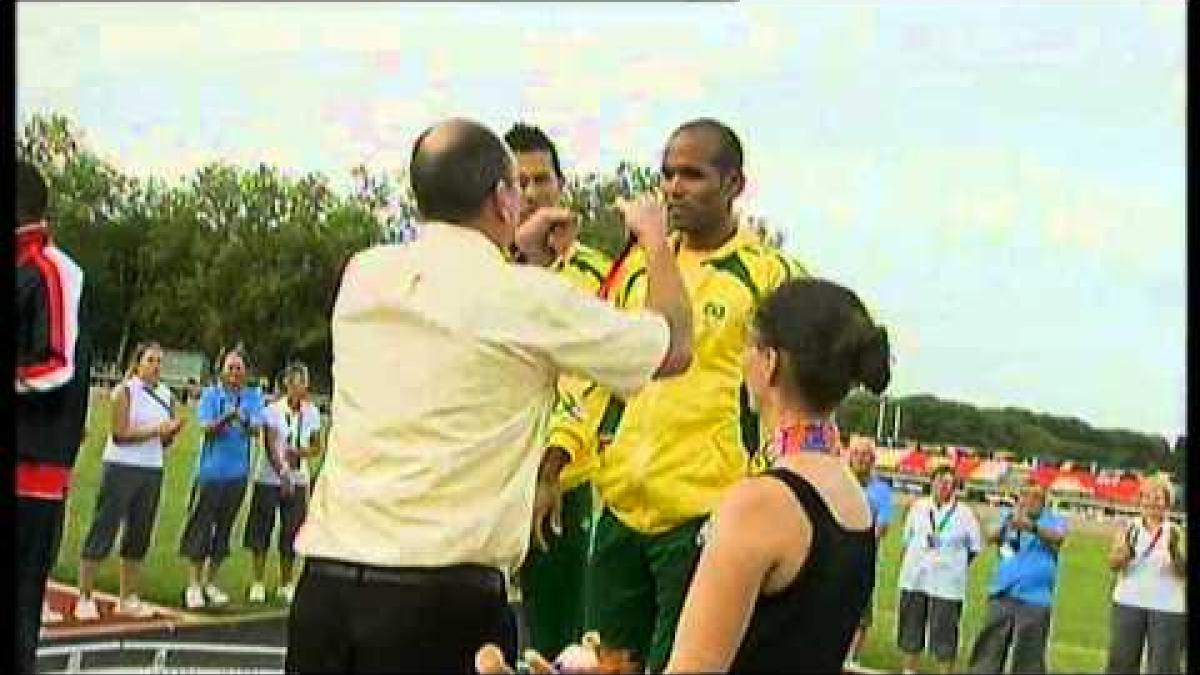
{"points": [[1079, 636], [164, 572], [1079, 628]]}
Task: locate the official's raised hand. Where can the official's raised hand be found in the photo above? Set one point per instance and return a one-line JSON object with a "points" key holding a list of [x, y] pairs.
{"points": [[546, 234]]}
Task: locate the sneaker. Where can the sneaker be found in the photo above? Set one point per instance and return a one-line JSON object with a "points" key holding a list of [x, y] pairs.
{"points": [[49, 615], [193, 597], [286, 593], [258, 592], [133, 607], [86, 610], [215, 595]]}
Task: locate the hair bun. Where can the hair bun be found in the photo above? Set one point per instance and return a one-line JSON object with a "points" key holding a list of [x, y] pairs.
{"points": [[874, 361]]}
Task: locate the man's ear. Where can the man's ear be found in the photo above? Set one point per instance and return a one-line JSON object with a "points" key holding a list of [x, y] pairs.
{"points": [[733, 184], [774, 366], [496, 200], [504, 201]]}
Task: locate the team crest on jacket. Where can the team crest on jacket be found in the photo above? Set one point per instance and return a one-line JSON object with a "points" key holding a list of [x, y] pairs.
{"points": [[714, 314], [714, 310]]}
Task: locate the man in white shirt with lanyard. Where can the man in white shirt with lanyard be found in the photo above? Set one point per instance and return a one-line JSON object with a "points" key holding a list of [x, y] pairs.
{"points": [[941, 539]]}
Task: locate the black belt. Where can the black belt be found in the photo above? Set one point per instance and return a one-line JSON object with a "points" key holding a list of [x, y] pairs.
{"points": [[480, 576]]}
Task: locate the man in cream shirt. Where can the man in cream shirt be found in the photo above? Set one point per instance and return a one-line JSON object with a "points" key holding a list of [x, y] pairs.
{"points": [[445, 358]]}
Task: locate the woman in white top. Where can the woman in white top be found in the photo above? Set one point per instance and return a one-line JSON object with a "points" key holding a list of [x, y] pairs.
{"points": [[291, 438], [1148, 600], [144, 424]]}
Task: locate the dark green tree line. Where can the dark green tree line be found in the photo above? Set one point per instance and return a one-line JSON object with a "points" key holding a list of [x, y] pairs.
{"points": [[931, 421], [228, 255]]}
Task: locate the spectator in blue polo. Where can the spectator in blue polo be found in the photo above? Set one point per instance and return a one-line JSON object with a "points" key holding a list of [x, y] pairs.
{"points": [[1021, 593], [231, 415], [860, 455]]}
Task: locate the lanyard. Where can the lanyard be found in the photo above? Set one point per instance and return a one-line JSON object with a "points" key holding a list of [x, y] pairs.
{"points": [[156, 397], [292, 421], [1153, 541], [614, 272], [236, 397], [1015, 541], [937, 529]]}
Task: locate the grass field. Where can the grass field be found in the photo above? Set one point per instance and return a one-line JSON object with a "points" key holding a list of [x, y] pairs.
{"points": [[1079, 628], [1079, 634], [164, 572]]}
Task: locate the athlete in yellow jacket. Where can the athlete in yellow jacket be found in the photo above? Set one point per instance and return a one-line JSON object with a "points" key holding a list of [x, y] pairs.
{"points": [[666, 455], [552, 576]]}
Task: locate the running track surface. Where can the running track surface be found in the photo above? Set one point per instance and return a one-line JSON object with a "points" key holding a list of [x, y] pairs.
{"points": [[167, 624], [268, 629], [62, 597]]}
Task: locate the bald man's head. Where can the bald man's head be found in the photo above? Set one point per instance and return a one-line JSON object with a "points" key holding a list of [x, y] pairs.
{"points": [[455, 167], [860, 455]]}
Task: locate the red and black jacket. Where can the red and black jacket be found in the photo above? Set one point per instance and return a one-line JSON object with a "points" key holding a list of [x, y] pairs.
{"points": [[53, 365]]}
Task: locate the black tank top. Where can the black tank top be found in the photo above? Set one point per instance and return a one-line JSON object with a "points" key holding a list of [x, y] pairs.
{"points": [[807, 626]]}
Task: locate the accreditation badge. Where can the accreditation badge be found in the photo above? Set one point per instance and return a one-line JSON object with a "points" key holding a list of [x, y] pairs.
{"points": [[1006, 551]]}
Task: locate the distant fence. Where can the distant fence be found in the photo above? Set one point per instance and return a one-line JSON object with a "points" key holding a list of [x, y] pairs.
{"points": [[998, 495]]}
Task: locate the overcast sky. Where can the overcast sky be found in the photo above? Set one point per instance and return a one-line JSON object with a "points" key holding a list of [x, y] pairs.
{"points": [[1003, 183]]}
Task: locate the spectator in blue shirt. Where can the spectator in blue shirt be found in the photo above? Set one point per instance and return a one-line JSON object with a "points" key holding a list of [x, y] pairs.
{"points": [[1022, 588], [860, 454], [230, 414]]}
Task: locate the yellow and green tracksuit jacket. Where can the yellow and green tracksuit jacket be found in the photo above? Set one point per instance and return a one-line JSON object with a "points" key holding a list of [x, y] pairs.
{"points": [[666, 455], [585, 268]]}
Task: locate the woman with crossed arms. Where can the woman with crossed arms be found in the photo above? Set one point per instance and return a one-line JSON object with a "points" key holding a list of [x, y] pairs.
{"points": [[1148, 600], [144, 424]]}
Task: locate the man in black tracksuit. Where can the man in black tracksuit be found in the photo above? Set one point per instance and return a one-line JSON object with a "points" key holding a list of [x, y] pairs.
{"points": [[52, 381]]}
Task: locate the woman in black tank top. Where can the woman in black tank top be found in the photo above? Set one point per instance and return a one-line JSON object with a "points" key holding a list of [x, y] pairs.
{"points": [[788, 559], [788, 562]]}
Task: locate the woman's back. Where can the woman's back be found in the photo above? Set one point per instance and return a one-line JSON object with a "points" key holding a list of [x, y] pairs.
{"points": [[807, 625]]}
